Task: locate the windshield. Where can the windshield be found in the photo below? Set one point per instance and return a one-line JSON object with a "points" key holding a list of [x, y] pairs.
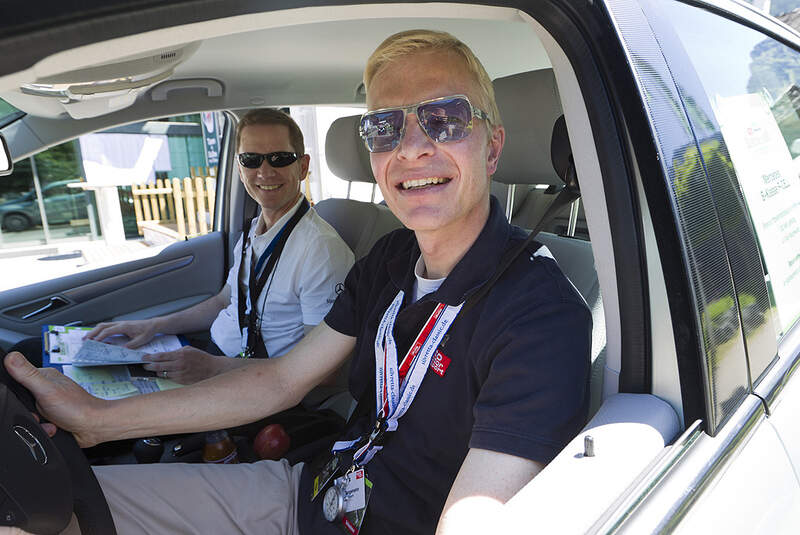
{"points": [[8, 113]]}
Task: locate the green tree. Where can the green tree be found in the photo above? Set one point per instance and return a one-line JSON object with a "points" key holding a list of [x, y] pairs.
{"points": [[61, 162]]}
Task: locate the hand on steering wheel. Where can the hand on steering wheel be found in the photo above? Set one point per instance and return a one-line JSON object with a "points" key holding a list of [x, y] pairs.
{"points": [[47, 478]]}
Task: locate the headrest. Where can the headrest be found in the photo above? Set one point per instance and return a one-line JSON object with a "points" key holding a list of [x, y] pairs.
{"points": [[561, 155], [529, 105], [500, 190], [345, 153]]}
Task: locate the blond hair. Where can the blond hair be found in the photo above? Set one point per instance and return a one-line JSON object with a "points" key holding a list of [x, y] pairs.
{"points": [[409, 42]]}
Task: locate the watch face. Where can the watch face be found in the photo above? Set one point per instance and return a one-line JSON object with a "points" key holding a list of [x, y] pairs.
{"points": [[332, 504]]}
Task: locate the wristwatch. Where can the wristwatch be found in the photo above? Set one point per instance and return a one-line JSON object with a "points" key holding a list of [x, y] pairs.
{"points": [[333, 504]]}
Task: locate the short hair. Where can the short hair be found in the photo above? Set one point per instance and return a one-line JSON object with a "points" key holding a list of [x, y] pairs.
{"points": [[408, 42], [269, 116]]}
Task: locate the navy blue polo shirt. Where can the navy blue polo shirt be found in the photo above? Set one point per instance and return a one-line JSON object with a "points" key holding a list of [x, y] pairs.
{"points": [[516, 379]]}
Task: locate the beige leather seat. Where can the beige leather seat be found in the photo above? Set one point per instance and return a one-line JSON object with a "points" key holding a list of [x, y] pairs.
{"points": [[360, 224], [527, 154], [530, 105]]}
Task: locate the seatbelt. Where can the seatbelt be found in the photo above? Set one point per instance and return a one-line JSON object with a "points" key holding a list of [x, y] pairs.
{"points": [[569, 193]]}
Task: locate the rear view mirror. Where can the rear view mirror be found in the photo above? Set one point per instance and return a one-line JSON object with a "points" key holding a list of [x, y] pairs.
{"points": [[6, 165]]}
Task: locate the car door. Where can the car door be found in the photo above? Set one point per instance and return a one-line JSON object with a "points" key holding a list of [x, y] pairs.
{"points": [[179, 275], [719, 239], [717, 87]]}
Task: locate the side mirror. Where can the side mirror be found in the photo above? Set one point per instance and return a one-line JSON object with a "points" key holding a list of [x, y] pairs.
{"points": [[6, 165]]}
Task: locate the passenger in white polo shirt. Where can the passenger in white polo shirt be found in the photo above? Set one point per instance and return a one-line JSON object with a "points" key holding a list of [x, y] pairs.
{"points": [[295, 258]]}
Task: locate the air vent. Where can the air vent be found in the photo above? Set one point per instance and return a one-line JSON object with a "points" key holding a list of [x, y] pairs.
{"points": [[167, 56]]}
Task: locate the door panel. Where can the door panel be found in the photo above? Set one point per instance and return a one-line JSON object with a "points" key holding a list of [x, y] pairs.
{"points": [[758, 493], [784, 419], [183, 273]]}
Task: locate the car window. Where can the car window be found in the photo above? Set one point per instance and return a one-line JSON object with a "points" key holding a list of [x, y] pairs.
{"points": [[8, 113], [109, 197], [756, 100]]}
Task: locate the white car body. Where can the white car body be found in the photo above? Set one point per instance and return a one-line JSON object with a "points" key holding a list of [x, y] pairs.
{"points": [[697, 432]]}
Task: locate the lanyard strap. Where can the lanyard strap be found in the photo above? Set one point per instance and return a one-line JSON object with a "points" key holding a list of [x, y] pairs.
{"points": [[248, 319], [396, 386]]}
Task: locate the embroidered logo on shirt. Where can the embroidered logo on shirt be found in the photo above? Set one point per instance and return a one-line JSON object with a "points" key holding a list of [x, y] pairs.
{"points": [[439, 363]]}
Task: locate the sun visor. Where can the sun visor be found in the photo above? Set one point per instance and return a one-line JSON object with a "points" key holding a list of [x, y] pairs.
{"points": [[100, 89]]}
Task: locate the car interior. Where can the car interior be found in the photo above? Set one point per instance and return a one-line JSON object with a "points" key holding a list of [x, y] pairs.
{"points": [[224, 65]]}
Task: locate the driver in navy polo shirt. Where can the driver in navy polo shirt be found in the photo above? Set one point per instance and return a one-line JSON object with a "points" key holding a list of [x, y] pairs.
{"points": [[462, 401]]}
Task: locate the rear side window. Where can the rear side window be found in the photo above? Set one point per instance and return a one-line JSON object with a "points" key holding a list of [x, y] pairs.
{"points": [[753, 84]]}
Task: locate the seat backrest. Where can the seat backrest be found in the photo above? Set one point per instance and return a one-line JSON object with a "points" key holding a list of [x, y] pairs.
{"points": [[576, 261], [530, 106], [360, 224]]}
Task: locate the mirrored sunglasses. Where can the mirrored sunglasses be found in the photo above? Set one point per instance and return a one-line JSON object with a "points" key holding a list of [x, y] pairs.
{"points": [[442, 119], [253, 160]]}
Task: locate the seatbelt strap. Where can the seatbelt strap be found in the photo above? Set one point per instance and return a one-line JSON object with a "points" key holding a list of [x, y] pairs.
{"points": [[564, 197]]}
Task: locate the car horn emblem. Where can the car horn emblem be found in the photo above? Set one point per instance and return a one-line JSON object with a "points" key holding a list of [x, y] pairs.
{"points": [[37, 450]]}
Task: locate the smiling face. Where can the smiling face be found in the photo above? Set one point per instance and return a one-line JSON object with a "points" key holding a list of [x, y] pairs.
{"points": [[433, 186], [274, 189]]}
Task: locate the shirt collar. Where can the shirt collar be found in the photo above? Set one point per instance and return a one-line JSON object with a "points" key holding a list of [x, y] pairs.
{"points": [[274, 229], [475, 268]]}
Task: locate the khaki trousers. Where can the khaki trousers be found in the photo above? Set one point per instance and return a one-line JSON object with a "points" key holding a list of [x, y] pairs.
{"points": [[258, 498]]}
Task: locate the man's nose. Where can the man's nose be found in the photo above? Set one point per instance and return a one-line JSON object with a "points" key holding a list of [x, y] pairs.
{"points": [[415, 142], [265, 169]]}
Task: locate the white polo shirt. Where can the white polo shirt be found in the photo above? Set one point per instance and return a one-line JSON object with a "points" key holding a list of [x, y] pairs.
{"points": [[300, 290]]}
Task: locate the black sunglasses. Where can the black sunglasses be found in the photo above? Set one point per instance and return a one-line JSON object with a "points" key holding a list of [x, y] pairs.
{"points": [[253, 160]]}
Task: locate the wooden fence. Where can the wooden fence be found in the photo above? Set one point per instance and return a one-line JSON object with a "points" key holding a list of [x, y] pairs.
{"points": [[176, 209]]}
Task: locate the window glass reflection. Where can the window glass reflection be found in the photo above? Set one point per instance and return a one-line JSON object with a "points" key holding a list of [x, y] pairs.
{"points": [[753, 84]]}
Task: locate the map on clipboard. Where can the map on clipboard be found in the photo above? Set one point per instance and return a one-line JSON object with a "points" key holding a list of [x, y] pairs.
{"points": [[106, 369]]}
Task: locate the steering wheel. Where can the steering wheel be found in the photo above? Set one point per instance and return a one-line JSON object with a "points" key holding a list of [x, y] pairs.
{"points": [[44, 480]]}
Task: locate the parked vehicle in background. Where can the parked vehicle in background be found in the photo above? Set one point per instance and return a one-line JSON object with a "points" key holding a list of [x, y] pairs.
{"points": [[62, 204]]}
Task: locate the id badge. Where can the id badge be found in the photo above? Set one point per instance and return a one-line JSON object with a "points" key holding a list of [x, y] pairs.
{"points": [[358, 488], [326, 475]]}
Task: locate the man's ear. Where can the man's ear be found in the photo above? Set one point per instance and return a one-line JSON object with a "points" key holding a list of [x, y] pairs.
{"points": [[305, 160], [496, 141]]}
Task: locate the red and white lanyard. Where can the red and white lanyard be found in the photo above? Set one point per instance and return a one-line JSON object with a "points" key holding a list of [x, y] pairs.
{"points": [[397, 385]]}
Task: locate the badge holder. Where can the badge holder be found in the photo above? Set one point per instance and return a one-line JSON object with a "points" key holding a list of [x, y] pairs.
{"points": [[345, 502], [331, 470]]}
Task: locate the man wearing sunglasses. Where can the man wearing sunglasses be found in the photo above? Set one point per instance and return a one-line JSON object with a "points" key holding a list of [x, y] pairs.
{"points": [[293, 285], [461, 400]]}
